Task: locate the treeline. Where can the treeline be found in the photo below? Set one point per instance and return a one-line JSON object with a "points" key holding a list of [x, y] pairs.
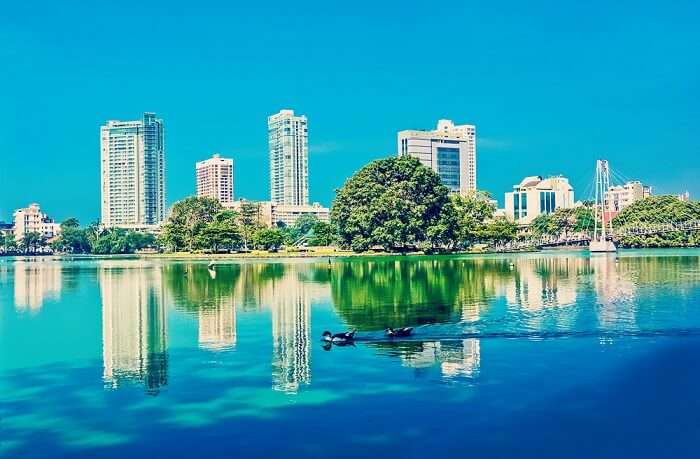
{"points": [[202, 224], [76, 240], [647, 212], [656, 210], [397, 204]]}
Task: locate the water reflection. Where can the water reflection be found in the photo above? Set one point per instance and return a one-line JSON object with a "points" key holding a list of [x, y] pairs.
{"points": [[134, 332], [35, 282], [454, 358], [454, 302]]}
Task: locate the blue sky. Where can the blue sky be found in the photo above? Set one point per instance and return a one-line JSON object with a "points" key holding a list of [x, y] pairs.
{"points": [[551, 86]]}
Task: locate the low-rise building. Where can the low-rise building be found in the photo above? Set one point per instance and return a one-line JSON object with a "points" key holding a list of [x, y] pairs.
{"points": [[32, 220], [535, 196], [620, 196], [6, 228], [272, 214]]}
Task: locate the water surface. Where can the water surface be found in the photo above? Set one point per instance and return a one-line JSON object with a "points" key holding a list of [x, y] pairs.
{"points": [[539, 355]]}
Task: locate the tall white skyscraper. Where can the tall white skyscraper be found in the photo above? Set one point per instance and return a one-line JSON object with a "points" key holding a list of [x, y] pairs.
{"points": [[289, 158], [215, 179], [449, 150], [133, 172]]}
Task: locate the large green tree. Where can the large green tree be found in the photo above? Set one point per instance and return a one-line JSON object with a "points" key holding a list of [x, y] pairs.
{"points": [[187, 219], [221, 233], [268, 238], [31, 242], [390, 202]]}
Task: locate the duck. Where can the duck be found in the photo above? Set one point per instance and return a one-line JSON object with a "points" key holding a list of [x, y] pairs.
{"points": [[344, 337], [398, 332]]}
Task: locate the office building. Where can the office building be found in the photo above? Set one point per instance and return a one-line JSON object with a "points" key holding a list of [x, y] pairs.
{"points": [[620, 196], [289, 158], [215, 179], [536, 196], [273, 214], [449, 150], [133, 172], [32, 220]]}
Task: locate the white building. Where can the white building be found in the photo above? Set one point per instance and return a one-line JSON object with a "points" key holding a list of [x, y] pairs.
{"points": [[449, 150], [271, 213], [535, 196], [215, 179], [32, 220], [133, 172], [289, 158], [620, 196]]}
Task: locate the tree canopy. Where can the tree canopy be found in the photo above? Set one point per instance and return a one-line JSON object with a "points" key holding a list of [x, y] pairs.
{"points": [[391, 202]]}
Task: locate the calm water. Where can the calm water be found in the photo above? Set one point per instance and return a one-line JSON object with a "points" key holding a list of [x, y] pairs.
{"points": [[543, 355]]}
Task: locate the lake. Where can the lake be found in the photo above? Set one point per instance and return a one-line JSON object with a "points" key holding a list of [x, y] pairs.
{"points": [[545, 355]]}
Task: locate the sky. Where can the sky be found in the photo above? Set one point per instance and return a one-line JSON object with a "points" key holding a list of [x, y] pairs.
{"points": [[550, 85]]}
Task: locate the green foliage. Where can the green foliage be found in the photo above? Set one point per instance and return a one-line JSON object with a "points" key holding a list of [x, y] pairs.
{"points": [[249, 221], [390, 202], [118, 241], [499, 231], [656, 210], [187, 220], [564, 221], [268, 239], [8, 242], [72, 239], [323, 234], [70, 223], [32, 242], [221, 233]]}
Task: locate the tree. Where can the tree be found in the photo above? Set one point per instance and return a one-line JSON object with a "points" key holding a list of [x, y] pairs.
{"points": [[72, 240], [470, 214], [187, 219], [32, 241], [656, 210], [390, 202], [8, 242], [223, 232], [268, 238], [248, 221], [323, 234], [70, 223], [499, 231]]}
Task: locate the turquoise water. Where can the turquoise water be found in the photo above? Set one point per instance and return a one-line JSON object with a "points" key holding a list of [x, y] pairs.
{"points": [[539, 355]]}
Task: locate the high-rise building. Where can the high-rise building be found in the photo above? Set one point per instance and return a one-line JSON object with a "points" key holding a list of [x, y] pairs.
{"points": [[534, 196], [32, 220], [289, 158], [449, 150], [133, 172], [215, 179]]}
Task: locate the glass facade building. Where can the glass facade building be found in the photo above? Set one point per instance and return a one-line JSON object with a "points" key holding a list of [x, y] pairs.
{"points": [[449, 150], [132, 172], [289, 158]]}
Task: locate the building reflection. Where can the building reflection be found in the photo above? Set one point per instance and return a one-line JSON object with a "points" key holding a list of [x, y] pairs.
{"points": [[134, 334], [36, 282], [290, 298], [615, 291], [540, 283], [217, 326], [460, 358]]}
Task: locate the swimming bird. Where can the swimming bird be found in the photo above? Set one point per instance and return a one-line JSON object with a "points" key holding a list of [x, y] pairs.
{"points": [[398, 332], [338, 338]]}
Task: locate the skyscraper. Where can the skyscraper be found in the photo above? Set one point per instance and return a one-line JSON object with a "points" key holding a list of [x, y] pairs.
{"points": [[133, 172], [449, 150], [215, 179], [289, 158]]}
